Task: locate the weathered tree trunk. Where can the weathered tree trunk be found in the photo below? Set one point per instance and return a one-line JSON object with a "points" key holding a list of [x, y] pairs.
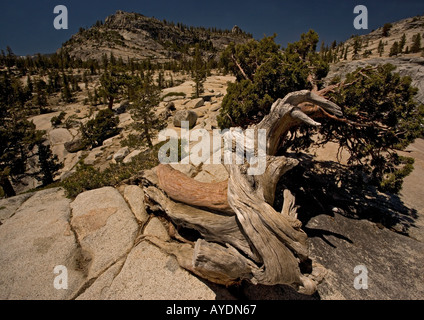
{"points": [[243, 237]]}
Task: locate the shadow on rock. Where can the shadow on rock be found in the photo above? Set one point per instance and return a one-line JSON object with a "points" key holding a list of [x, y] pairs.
{"points": [[327, 187]]}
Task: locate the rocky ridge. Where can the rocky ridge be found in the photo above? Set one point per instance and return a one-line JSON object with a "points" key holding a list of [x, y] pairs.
{"points": [[134, 36]]}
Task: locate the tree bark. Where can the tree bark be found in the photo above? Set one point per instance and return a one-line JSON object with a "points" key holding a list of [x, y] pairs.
{"points": [[111, 100], [242, 236]]}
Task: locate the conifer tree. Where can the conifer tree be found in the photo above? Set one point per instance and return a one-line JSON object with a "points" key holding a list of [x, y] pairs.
{"points": [[380, 48], [198, 72], [111, 83], [416, 43], [394, 50], [18, 136], [147, 123], [380, 113], [402, 43]]}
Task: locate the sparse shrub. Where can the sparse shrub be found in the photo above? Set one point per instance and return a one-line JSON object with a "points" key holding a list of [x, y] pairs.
{"points": [[88, 178]]}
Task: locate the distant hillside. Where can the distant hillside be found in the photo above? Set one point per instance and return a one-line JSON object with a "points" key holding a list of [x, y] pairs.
{"points": [[134, 36], [388, 34]]}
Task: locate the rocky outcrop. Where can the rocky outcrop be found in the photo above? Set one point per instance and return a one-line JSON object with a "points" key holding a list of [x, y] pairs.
{"points": [[99, 239], [33, 241]]}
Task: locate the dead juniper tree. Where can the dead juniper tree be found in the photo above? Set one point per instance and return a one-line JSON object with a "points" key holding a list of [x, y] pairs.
{"points": [[242, 236]]}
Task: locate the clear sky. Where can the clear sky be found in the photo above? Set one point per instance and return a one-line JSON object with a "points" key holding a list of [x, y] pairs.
{"points": [[27, 25]]}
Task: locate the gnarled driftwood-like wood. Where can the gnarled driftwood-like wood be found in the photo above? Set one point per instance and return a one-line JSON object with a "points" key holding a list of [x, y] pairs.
{"points": [[243, 237]]}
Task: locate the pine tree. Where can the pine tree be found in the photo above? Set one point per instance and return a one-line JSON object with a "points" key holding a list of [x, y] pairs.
{"points": [[394, 50], [111, 83], [49, 163], [147, 124], [18, 136], [198, 72], [40, 99], [402, 43], [386, 29], [357, 45], [416, 43], [66, 90], [380, 48], [102, 127]]}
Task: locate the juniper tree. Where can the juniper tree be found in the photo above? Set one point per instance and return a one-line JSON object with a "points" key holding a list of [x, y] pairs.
{"points": [[380, 113], [264, 73]]}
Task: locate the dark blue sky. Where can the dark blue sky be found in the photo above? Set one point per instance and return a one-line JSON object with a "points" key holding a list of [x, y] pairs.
{"points": [[27, 25]]}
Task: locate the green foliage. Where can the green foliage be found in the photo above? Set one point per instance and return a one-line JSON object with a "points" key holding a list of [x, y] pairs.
{"points": [[357, 45], [147, 124], [49, 164], [111, 82], [382, 117], [102, 127], [394, 50], [58, 120], [199, 72], [416, 43], [380, 48], [66, 90], [88, 178], [386, 29], [402, 43], [18, 137], [265, 73]]}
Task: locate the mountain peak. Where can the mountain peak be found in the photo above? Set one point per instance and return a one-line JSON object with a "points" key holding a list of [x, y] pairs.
{"points": [[135, 36]]}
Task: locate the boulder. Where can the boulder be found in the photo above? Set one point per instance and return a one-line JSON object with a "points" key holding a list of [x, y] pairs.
{"points": [[185, 115], [120, 154], [75, 145], [108, 142], [9, 206], [195, 103], [155, 228], [60, 136], [170, 106]]}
